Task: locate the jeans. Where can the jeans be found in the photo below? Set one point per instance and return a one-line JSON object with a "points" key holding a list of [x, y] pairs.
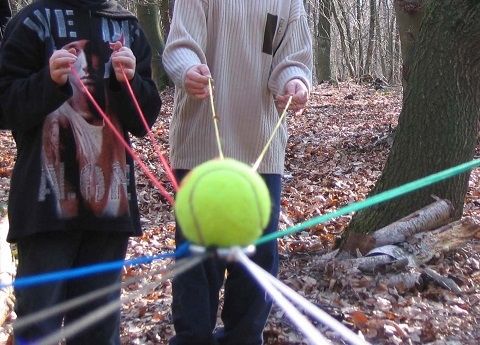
{"points": [[54, 251], [246, 306]]}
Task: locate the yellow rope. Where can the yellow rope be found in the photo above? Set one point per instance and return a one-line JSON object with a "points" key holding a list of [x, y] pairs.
{"points": [[264, 151], [215, 119]]}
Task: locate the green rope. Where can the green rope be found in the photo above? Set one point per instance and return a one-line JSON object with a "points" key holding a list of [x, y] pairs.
{"points": [[374, 200]]}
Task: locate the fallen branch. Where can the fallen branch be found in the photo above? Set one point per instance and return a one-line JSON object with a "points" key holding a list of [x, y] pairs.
{"points": [[427, 245], [411, 254], [430, 217]]}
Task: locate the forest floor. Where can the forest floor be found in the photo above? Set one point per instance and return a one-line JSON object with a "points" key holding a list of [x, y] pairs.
{"points": [[336, 152]]}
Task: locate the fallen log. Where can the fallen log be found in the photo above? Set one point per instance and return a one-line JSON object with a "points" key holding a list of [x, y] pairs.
{"points": [[410, 255], [430, 217], [426, 245]]}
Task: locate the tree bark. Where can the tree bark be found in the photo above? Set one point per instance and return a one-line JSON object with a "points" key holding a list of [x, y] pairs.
{"points": [[440, 117], [409, 14]]}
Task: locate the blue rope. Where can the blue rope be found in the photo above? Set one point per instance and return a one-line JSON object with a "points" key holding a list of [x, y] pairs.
{"points": [[374, 200], [85, 271], [184, 250]]}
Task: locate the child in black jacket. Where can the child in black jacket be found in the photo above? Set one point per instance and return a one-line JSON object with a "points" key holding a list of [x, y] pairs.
{"points": [[72, 199]]}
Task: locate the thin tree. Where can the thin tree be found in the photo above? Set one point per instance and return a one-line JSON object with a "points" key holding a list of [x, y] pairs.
{"points": [[371, 36], [148, 16], [322, 41]]}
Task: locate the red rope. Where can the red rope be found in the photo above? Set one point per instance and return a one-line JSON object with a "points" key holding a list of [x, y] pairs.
{"points": [[122, 140], [156, 147]]}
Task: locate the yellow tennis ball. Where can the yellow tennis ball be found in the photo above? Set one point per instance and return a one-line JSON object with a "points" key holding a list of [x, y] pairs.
{"points": [[223, 203]]}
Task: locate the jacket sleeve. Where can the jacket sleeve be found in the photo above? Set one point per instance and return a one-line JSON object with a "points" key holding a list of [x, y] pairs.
{"points": [[293, 58], [186, 42], [144, 89], [27, 92]]}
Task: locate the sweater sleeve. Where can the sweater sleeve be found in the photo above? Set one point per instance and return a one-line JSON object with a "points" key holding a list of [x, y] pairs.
{"points": [[27, 92], [186, 42], [293, 58], [143, 87]]}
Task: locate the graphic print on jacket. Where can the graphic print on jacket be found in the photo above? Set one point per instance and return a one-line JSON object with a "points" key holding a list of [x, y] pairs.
{"points": [[83, 164]]}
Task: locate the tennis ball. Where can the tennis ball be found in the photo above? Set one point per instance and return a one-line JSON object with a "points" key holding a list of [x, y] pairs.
{"points": [[223, 203]]}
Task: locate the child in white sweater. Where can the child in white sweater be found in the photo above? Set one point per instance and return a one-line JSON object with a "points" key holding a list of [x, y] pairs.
{"points": [[259, 53]]}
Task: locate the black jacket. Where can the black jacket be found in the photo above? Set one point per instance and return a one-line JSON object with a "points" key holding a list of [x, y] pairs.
{"points": [[71, 172]]}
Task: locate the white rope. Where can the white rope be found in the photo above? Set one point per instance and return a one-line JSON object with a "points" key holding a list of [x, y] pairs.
{"points": [[102, 312], [91, 296], [80, 324], [269, 141], [295, 316], [64, 306], [316, 312]]}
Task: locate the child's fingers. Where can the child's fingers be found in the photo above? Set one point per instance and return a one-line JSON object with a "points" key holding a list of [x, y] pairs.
{"points": [[115, 46], [200, 94], [193, 84], [124, 61], [61, 72], [123, 53], [73, 51], [62, 62]]}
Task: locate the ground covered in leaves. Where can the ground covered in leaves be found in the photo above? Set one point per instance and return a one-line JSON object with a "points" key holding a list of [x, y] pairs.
{"points": [[336, 151]]}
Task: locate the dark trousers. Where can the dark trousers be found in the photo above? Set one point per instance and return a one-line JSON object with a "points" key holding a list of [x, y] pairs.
{"points": [[54, 251], [246, 305]]}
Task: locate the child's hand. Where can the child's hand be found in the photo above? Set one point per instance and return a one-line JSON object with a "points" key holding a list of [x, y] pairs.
{"points": [[123, 57], [60, 64], [196, 81], [299, 92]]}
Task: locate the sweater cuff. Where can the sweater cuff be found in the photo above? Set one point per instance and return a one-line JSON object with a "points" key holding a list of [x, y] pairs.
{"points": [[292, 73]]}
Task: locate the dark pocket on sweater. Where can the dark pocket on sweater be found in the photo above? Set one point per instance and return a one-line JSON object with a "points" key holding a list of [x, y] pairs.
{"points": [[269, 34]]}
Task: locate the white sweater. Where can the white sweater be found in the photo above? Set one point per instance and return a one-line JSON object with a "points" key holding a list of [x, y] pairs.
{"points": [[250, 64]]}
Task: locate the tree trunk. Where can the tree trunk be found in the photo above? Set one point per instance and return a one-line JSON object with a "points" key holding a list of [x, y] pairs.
{"points": [[392, 29], [409, 15], [148, 16], [358, 29], [165, 15], [322, 42], [371, 35], [343, 42], [394, 76], [381, 37], [440, 117], [350, 44]]}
